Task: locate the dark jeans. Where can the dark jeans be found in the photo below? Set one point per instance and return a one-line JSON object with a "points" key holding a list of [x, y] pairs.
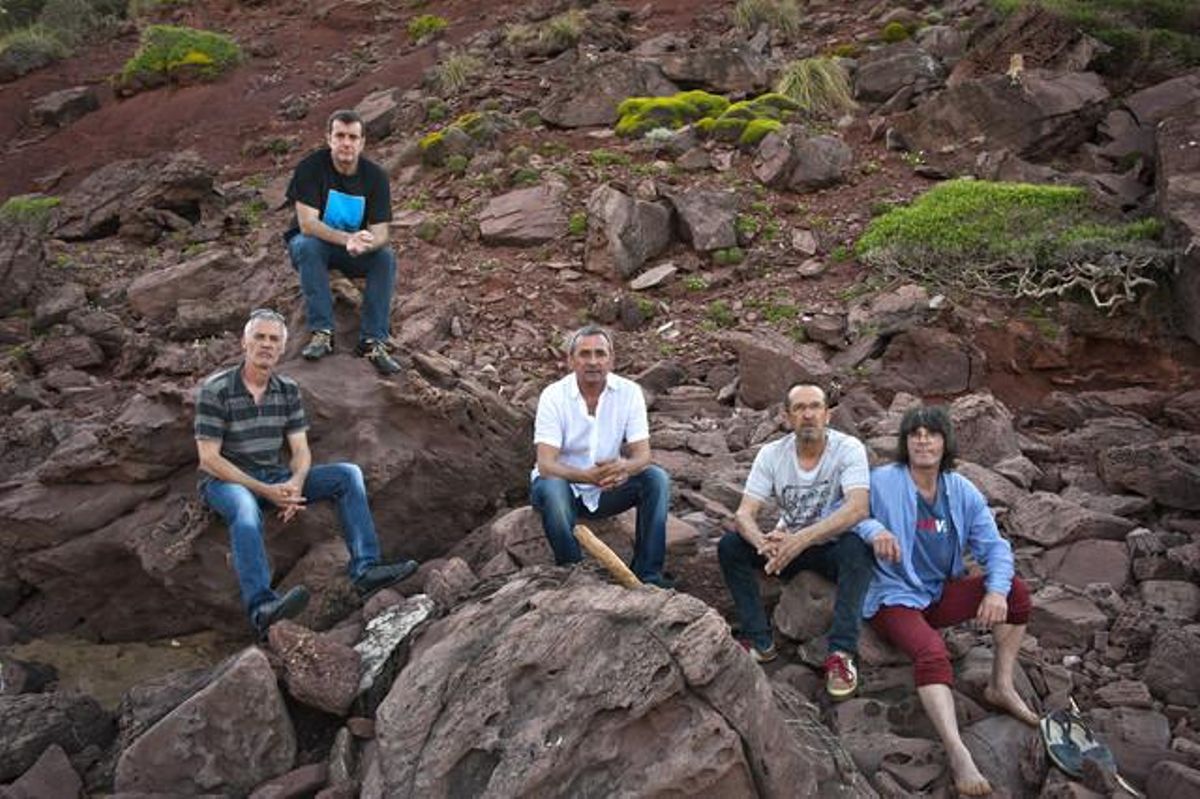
{"points": [[649, 490], [313, 259], [846, 560]]}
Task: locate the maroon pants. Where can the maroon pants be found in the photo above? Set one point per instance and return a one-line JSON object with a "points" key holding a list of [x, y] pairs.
{"points": [[914, 631]]}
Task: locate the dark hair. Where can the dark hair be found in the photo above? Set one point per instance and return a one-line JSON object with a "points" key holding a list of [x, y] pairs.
{"points": [[584, 332], [935, 419], [829, 392], [347, 116]]}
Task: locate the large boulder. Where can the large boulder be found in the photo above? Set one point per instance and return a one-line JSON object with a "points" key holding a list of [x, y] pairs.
{"points": [[1049, 520], [230, 736], [930, 361], [1087, 562], [554, 685], [22, 259], [891, 69], [727, 69], [1045, 114], [525, 217], [1166, 471], [706, 217], [437, 450], [1177, 181], [768, 363], [140, 199], [590, 94], [1171, 672], [983, 428], [790, 159], [624, 232], [29, 723]]}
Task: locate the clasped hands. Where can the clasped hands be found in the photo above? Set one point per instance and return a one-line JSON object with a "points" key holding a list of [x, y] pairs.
{"points": [[287, 497], [609, 474], [780, 548], [360, 242]]}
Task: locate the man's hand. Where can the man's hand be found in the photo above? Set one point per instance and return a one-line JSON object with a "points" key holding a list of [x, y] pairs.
{"points": [[610, 474], [886, 546], [286, 496], [781, 549], [992, 610], [360, 242]]}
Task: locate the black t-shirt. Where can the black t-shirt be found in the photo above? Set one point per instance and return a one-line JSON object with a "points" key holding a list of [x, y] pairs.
{"points": [[345, 202]]}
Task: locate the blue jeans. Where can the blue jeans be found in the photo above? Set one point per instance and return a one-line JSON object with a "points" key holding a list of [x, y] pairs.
{"points": [[242, 511], [313, 259], [846, 560], [649, 490]]}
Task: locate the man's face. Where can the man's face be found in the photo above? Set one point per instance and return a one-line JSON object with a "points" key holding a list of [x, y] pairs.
{"points": [[263, 343], [346, 144], [591, 361], [925, 448], [807, 413]]}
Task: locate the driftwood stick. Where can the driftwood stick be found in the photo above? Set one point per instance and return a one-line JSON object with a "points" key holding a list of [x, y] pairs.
{"points": [[608, 559]]}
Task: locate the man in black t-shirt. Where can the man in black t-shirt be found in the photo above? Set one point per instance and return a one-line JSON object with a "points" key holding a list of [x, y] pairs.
{"points": [[343, 206]]}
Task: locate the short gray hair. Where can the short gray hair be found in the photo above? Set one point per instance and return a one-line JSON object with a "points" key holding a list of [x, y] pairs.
{"points": [[259, 314], [584, 332]]}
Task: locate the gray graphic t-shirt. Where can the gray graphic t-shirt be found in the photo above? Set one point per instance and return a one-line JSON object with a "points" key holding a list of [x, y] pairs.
{"points": [[803, 496]]}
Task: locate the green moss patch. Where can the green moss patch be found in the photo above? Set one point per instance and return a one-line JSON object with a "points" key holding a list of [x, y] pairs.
{"points": [[745, 122], [1013, 238], [172, 54]]}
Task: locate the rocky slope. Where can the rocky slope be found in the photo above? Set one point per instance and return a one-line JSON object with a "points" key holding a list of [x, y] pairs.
{"points": [[491, 672]]}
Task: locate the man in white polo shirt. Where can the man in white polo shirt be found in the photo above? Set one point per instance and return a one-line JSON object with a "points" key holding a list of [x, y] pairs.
{"points": [[582, 422]]}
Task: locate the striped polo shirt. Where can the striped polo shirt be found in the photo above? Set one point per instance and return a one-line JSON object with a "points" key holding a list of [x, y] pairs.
{"points": [[251, 434]]}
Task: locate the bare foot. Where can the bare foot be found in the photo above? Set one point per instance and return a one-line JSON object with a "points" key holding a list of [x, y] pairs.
{"points": [[1011, 703], [967, 779]]}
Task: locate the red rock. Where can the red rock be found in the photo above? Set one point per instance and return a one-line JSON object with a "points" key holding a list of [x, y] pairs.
{"points": [[51, 777], [296, 783], [1087, 562], [1173, 781], [317, 671]]}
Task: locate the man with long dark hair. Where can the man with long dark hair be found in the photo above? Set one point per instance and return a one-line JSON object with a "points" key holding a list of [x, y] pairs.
{"points": [[924, 518]]}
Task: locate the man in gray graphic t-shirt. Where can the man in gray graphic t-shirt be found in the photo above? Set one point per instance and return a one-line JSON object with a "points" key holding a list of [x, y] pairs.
{"points": [[819, 479]]}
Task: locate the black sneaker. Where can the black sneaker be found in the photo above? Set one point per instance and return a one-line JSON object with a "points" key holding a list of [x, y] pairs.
{"points": [[320, 345], [376, 352], [382, 575], [287, 606]]}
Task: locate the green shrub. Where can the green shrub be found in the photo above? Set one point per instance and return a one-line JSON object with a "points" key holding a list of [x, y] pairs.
{"points": [[15, 14], [578, 223], [894, 32], [171, 53], [639, 115], [32, 47], [695, 283], [601, 158], [819, 85], [780, 15], [426, 26], [457, 164], [729, 256], [718, 314], [525, 177], [551, 37], [456, 72], [28, 210], [1006, 237]]}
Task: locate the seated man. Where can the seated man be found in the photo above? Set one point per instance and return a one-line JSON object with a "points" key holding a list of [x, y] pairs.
{"points": [[819, 479], [582, 421], [343, 205], [243, 415], [924, 517]]}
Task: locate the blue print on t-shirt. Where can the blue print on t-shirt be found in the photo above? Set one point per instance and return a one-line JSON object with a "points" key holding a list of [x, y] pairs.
{"points": [[344, 211]]}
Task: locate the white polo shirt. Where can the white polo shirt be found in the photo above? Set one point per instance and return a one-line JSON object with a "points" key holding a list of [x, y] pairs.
{"points": [[583, 440]]}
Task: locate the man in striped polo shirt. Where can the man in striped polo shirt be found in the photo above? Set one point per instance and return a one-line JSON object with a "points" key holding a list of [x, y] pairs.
{"points": [[243, 416]]}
